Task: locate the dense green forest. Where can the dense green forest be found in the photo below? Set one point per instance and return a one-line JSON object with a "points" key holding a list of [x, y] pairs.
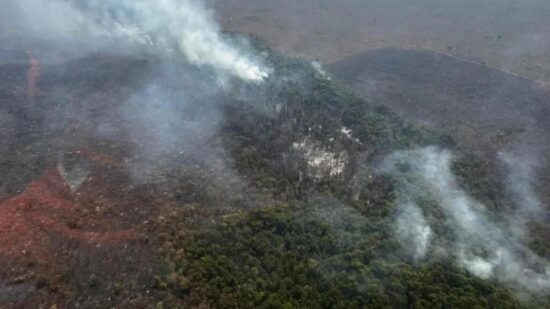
{"points": [[319, 240]]}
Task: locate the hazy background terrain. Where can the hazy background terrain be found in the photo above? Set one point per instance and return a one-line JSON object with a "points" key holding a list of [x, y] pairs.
{"points": [[512, 35]]}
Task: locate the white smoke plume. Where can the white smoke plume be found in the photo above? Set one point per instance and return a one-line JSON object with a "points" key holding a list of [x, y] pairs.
{"points": [[166, 26], [412, 230], [521, 183], [521, 164], [481, 245], [319, 69]]}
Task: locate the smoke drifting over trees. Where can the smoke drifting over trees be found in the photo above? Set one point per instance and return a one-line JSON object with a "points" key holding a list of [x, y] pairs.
{"points": [[183, 61], [482, 245], [165, 26], [412, 230], [249, 179]]}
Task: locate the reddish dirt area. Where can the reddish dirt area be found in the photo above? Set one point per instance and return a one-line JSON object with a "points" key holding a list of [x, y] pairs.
{"points": [[69, 239], [32, 76], [47, 209], [58, 241]]}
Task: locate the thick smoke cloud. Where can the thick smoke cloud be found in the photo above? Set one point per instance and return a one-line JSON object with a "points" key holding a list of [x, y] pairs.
{"points": [[186, 27], [481, 245]]}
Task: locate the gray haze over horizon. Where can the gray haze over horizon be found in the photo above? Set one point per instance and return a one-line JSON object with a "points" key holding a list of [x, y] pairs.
{"points": [[511, 35]]}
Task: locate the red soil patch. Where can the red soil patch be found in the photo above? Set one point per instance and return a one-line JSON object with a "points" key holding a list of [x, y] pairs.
{"points": [[32, 76], [45, 210], [53, 239]]}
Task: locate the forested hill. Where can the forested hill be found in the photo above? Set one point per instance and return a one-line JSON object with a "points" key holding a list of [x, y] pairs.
{"points": [[292, 193], [326, 236]]}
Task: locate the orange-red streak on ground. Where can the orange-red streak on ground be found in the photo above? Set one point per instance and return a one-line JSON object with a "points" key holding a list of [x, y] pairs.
{"points": [[32, 76], [32, 222]]}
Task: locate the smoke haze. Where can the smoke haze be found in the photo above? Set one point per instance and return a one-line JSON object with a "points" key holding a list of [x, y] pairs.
{"points": [[412, 230], [521, 183], [481, 245], [163, 67], [187, 27]]}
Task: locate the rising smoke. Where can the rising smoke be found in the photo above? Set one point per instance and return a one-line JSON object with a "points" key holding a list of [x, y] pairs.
{"points": [[319, 69], [160, 64], [412, 230], [480, 244], [521, 177], [185, 27]]}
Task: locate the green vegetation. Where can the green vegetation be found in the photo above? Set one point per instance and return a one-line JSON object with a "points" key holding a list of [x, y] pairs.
{"points": [[319, 243], [292, 258]]}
